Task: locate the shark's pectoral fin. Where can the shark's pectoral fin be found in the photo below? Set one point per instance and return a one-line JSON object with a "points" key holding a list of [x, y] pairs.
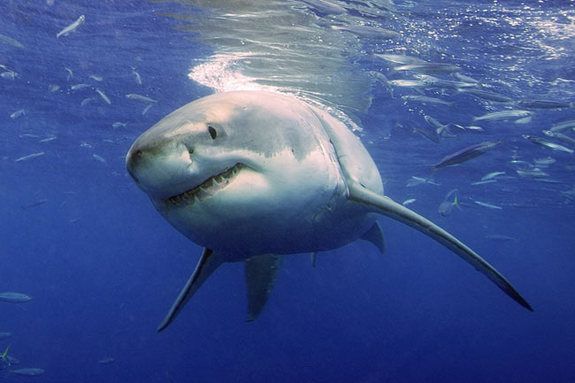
{"points": [[207, 264], [260, 273], [390, 208], [375, 236]]}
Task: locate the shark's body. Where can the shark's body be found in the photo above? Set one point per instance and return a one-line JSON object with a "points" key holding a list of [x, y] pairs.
{"points": [[251, 175]]}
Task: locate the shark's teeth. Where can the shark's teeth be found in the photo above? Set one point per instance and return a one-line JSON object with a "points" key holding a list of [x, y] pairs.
{"points": [[207, 188]]}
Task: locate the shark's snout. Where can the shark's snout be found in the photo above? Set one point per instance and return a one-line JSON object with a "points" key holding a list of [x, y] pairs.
{"points": [[132, 160], [159, 169]]}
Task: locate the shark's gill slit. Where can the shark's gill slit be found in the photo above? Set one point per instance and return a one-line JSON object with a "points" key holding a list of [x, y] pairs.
{"points": [[207, 188]]}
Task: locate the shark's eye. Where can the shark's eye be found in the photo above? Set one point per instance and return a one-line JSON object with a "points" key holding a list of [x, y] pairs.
{"points": [[213, 132]]}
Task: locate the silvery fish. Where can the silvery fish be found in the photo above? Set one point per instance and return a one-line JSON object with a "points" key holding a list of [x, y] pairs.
{"points": [[548, 144], [428, 68], [425, 99], [563, 125], [28, 371], [487, 205], [544, 104], [503, 115], [486, 95], [10, 41], [466, 154], [450, 201], [139, 97], [72, 27], [13, 297], [400, 59]]}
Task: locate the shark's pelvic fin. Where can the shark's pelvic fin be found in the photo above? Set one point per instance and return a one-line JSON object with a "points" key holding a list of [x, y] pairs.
{"points": [[207, 264], [390, 208], [260, 274], [375, 236]]}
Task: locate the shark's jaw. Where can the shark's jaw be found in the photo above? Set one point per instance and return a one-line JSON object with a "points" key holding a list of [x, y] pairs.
{"points": [[206, 189]]}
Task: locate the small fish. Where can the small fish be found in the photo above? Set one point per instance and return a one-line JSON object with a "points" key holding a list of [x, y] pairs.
{"points": [[17, 114], [76, 87], [87, 100], [4, 355], [11, 41], [486, 95], [118, 124], [544, 161], [408, 201], [72, 27], [28, 371], [53, 88], [559, 136], [34, 204], [99, 158], [492, 175], [106, 360], [464, 78], [425, 99], [483, 182], [503, 115], [466, 154], [430, 134], [325, 7], [563, 125], [9, 75], [29, 157], [137, 76], [103, 96], [415, 181], [548, 144], [407, 83], [442, 130], [544, 104], [12, 297], [400, 59], [70, 74], [5, 335], [48, 139], [367, 31], [146, 109], [435, 82], [531, 173], [139, 97], [524, 120], [487, 205], [450, 201], [428, 67], [96, 77], [469, 128]]}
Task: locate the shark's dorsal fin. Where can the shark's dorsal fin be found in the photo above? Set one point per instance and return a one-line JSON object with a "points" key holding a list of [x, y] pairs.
{"points": [[260, 274], [390, 208], [207, 264], [375, 236]]}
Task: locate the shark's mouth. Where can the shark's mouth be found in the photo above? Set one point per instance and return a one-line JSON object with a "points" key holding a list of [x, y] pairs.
{"points": [[207, 188]]}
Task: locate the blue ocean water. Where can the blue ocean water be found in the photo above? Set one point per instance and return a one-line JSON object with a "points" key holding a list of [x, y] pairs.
{"points": [[102, 267]]}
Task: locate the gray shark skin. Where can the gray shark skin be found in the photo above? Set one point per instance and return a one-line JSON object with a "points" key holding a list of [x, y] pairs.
{"points": [[253, 175]]}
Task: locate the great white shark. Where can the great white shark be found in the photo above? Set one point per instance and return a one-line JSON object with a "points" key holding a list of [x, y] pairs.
{"points": [[254, 175]]}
